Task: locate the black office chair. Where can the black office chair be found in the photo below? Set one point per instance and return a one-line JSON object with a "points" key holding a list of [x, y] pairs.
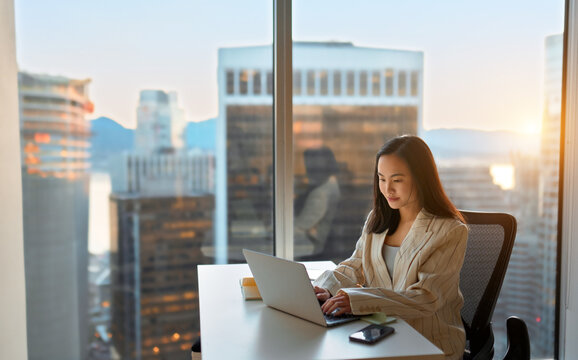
{"points": [[490, 242]]}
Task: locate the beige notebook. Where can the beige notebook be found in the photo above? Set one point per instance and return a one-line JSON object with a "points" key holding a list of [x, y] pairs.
{"points": [[249, 289]]}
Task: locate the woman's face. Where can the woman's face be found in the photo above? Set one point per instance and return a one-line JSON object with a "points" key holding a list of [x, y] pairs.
{"points": [[396, 183]]}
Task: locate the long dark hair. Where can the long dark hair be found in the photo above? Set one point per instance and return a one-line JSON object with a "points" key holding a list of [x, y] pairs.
{"points": [[418, 157]]}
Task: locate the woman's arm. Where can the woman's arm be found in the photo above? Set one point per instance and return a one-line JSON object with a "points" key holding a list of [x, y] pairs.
{"points": [[437, 279]]}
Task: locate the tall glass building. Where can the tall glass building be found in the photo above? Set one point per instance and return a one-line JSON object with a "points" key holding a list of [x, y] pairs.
{"points": [[55, 161], [347, 99]]}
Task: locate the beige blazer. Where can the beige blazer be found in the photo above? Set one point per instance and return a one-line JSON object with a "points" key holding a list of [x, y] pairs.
{"points": [[425, 286]]}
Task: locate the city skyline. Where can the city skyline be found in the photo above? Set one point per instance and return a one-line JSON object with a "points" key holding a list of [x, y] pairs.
{"points": [[466, 75], [507, 73]]}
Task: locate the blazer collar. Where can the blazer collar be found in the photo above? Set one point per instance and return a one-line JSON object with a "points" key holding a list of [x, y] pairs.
{"points": [[418, 233]]}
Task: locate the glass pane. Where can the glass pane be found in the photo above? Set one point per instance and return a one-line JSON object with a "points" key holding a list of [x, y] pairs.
{"points": [[147, 150], [489, 110]]}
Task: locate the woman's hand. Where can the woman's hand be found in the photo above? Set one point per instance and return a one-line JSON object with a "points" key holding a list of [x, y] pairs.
{"points": [[339, 303], [322, 294]]}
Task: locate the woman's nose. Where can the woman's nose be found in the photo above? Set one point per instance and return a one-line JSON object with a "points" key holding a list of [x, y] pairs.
{"points": [[387, 187]]}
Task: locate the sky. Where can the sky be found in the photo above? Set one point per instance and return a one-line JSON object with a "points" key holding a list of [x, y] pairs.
{"points": [[483, 61]]}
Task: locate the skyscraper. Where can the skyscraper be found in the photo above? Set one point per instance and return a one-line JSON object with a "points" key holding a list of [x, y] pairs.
{"points": [[55, 144], [162, 207], [543, 345], [153, 132], [346, 98]]}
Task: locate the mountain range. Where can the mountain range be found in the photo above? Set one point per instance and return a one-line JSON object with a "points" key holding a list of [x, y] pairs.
{"points": [[110, 138], [461, 144]]}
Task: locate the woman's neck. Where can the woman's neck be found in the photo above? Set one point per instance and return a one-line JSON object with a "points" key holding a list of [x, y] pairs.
{"points": [[408, 214]]}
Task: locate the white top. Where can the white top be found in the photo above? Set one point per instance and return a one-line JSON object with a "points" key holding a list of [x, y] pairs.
{"points": [[389, 253]]}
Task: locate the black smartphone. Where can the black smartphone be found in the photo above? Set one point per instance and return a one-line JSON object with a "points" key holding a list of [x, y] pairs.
{"points": [[371, 334]]}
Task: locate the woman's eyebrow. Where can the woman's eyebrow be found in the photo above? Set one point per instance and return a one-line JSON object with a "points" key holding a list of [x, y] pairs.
{"points": [[392, 175]]}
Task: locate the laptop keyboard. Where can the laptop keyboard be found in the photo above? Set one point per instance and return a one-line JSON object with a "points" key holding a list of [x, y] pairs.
{"points": [[332, 319]]}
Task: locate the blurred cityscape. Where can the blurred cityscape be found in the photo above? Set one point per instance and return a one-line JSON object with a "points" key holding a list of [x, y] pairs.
{"points": [[155, 201]]}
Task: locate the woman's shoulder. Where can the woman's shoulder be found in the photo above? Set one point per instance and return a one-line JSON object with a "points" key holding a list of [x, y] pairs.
{"points": [[444, 223]]}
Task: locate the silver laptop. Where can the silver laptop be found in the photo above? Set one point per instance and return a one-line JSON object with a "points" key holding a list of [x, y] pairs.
{"points": [[285, 285]]}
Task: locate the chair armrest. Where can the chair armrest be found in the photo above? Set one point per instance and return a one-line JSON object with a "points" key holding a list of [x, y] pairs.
{"points": [[518, 339]]}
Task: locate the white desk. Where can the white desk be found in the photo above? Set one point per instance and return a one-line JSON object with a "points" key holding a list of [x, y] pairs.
{"points": [[232, 328]]}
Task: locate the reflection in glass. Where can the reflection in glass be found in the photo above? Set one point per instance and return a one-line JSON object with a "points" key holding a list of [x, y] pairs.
{"points": [[315, 208], [352, 132]]}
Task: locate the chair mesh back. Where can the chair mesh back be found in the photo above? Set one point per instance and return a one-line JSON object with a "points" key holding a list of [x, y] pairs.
{"points": [[483, 250]]}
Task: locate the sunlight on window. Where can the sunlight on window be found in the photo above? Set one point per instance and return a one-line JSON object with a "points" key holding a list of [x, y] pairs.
{"points": [[532, 126], [503, 176]]}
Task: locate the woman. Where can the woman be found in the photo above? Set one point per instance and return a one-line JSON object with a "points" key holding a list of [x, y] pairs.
{"points": [[408, 259]]}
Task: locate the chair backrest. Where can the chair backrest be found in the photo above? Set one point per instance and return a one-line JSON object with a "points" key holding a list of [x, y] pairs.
{"points": [[490, 242]]}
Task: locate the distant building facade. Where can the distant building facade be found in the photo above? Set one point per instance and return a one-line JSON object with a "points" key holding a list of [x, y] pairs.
{"points": [[55, 162], [156, 246], [160, 121], [471, 187], [347, 98], [163, 174]]}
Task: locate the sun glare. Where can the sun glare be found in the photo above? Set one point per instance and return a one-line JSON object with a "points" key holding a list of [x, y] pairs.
{"points": [[531, 127], [503, 176]]}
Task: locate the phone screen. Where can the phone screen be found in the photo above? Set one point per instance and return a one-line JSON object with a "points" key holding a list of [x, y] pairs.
{"points": [[371, 334]]}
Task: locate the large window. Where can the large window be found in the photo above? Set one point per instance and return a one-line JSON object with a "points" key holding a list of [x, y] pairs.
{"points": [[156, 147], [154, 144], [489, 110]]}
